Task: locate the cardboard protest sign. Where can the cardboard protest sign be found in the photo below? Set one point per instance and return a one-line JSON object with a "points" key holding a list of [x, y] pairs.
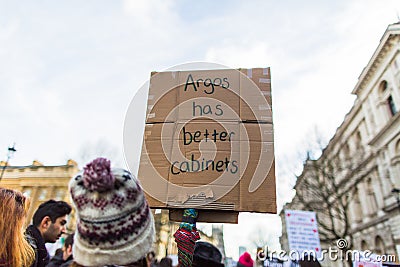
{"points": [[208, 142]]}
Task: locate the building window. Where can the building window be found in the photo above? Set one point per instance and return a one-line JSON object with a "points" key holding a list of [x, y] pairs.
{"points": [[43, 194], [346, 154], [379, 246], [27, 192], [364, 245], [392, 106], [59, 194], [398, 147], [357, 210], [371, 196], [383, 86], [358, 142]]}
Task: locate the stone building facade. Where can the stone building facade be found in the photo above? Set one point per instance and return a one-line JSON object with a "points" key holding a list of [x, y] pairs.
{"points": [[41, 183], [366, 146]]}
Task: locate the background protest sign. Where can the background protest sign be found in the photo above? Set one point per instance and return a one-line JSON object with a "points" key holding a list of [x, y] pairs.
{"points": [[302, 231]]}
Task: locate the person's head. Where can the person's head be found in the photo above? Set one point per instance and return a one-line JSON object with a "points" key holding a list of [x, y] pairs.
{"points": [[245, 260], [114, 222], [309, 261], [14, 249], [165, 262], [206, 254], [50, 219], [151, 256], [67, 247]]}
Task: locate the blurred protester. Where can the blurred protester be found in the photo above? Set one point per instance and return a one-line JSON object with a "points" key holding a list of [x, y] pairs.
{"points": [[245, 260], [59, 252], [151, 259], [14, 248], [63, 259], [114, 224], [165, 262], [206, 254], [309, 261], [49, 223]]}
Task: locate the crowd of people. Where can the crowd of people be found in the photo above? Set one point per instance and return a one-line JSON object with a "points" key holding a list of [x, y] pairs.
{"points": [[114, 226]]}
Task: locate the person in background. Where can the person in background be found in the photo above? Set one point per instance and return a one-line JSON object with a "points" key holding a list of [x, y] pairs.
{"points": [[64, 259], [151, 259], [114, 224], [49, 223], [309, 261], [245, 260], [14, 248], [206, 254], [165, 262]]}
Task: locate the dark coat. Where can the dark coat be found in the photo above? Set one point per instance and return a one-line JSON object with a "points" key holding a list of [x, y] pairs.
{"points": [[58, 261], [36, 240]]}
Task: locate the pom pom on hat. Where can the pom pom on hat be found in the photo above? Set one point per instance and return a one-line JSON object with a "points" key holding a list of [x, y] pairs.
{"points": [[97, 175], [245, 260]]}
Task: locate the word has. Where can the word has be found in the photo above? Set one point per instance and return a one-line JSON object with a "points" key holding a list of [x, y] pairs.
{"points": [[199, 110]]}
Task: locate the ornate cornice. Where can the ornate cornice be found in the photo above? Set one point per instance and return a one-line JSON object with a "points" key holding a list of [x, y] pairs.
{"points": [[388, 40]]}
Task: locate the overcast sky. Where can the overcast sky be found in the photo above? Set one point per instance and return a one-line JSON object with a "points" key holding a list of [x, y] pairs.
{"points": [[69, 70]]}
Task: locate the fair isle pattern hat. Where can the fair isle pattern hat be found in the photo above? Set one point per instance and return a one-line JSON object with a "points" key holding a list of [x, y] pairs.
{"points": [[114, 222]]}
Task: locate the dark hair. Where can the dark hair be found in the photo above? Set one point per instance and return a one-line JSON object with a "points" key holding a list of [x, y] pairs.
{"points": [[165, 262], [309, 261], [69, 241], [206, 254], [53, 209]]}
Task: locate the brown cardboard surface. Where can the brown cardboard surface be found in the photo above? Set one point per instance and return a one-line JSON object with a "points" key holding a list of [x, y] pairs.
{"points": [[260, 76], [259, 132], [187, 140], [255, 92], [210, 216], [163, 97], [221, 106], [206, 146], [221, 168], [257, 166], [215, 93], [264, 198], [154, 178], [208, 131], [216, 197], [159, 131]]}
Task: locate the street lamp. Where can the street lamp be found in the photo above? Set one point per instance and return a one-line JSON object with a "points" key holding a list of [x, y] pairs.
{"points": [[11, 151], [396, 193]]}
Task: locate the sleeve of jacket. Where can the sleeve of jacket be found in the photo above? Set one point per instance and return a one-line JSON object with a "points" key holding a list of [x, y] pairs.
{"points": [[56, 261], [33, 244]]}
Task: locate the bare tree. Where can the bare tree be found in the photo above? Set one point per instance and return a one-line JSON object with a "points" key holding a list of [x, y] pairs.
{"points": [[260, 237], [99, 148], [324, 187]]}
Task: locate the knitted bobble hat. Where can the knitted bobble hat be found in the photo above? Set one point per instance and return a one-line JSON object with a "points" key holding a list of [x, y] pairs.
{"points": [[245, 260], [114, 222]]}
